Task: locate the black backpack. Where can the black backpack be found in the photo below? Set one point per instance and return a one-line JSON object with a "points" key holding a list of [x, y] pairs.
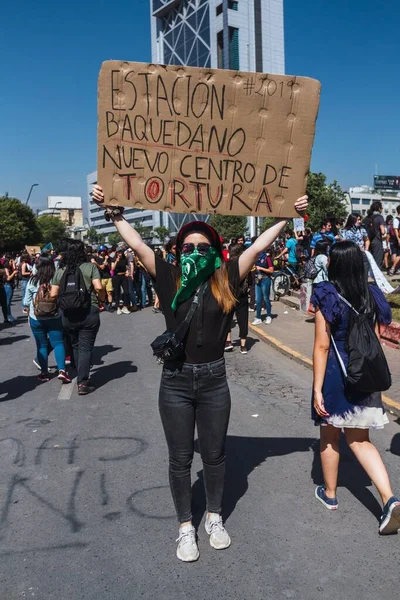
{"points": [[367, 370], [369, 225], [74, 295]]}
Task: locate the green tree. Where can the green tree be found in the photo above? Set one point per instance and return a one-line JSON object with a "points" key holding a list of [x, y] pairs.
{"points": [[94, 237], [52, 229], [229, 226], [144, 232], [18, 225], [326, 200], [161, 233], [114, 239]]}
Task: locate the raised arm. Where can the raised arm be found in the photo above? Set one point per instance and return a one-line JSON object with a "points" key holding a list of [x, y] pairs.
{"points": [[129, 234], [264, 241]]}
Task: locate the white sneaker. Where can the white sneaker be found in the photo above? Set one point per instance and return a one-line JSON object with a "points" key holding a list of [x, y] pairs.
{"points": [[257, 322], [219, 537], [187, 546], [268, 321], [251, 309], [126, 311], [119, 311]]}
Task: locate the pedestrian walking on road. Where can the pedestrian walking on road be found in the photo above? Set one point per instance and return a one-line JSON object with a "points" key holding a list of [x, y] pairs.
{"points": [[263, 279], [81, 322], [335, 407], [45, 320], [10, 280], [194, 388], [242, 304], [120, 280]]}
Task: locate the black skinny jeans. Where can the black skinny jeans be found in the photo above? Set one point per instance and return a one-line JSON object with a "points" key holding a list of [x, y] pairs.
{"points": [[189, 395], [117, 281], [82, 331], [3, 303], [242, 316]]}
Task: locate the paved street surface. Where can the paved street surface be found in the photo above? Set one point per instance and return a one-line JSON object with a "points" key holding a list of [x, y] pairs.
{"points": [[85, 508], [295, 330]]}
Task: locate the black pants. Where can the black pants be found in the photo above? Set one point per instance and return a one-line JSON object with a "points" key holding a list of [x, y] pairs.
{"points": [[3, 303], [82, 331], [118, 281], [242, 316], [189, 395], [376, 250]]}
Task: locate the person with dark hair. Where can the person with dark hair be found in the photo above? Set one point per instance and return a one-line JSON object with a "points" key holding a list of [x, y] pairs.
{"points": [[25, 270], [263, 281], [394, 240], [103, 263], [289, 251], [374, 223], [10, 278], [45, 321], [170, 249], [334, 406], [3, 297], [193, 385], [242, 305], [83, 323], [325, 234], [355, 232], [239, 241], [120, 280]]}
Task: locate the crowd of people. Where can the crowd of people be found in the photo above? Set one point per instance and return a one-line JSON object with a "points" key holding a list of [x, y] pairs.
{"points": [[199, 281]]}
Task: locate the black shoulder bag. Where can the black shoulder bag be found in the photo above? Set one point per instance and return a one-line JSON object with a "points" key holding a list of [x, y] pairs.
{"points": [[170, 344]]}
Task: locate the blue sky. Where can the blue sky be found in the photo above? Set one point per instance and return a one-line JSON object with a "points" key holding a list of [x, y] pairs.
{"points": [[51, 54]]}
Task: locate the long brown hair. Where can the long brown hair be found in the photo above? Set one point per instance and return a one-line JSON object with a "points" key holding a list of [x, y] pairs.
{"points": [[220, 289]]}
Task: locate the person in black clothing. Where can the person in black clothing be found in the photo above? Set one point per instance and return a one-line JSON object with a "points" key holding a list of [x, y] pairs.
{"points": [[242, 306], [103, 263], [120, 279], [375, 226], [193, 387]]}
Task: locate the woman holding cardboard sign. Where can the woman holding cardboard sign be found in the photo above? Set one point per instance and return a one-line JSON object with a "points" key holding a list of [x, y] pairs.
{"points": [[198, 298]]}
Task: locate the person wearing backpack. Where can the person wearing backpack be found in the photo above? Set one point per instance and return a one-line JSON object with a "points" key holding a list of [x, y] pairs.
{"points": [[347, 387], [45, 320], [394, 233], [77, 285], [375, 226]]}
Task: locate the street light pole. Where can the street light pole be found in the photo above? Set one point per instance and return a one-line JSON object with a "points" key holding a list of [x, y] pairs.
{"points": [[30, 192]]}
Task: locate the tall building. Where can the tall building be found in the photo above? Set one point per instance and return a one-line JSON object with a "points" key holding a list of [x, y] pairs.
{"points": [[194, 32], [244, 35]]}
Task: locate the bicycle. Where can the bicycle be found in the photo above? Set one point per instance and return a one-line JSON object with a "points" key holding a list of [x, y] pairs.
{"points": [[284, 280]]}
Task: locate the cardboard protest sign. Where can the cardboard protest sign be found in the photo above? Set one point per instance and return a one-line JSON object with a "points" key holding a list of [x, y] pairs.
{"points": [[298, 224], [186, 140], [32, 250]]}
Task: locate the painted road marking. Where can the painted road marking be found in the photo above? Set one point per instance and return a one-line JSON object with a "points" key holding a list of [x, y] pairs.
{"points": [[66, 390]]}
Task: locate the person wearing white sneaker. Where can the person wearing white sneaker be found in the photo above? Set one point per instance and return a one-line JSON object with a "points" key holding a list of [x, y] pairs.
{"points": [[187, 549], [263, 274], [219, 537], [268, 320], [194, 389]]}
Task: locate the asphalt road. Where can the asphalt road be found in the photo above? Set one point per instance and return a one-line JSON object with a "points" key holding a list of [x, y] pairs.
{"points": [[85, 508]]}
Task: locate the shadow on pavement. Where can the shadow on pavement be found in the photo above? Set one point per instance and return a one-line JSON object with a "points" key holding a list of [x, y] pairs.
{"points": [[13, 338], [118, 370], [243, 455], [351, 476], [17, 387], [99, 352]]}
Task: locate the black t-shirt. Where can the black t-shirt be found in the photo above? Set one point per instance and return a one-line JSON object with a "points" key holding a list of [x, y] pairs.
{"points": [[213, 321], [121, 266], [104, 273], [377, 221]]}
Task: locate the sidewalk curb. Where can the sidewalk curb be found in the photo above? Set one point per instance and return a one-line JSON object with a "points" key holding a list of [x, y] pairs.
{"points": [[391, 405]]}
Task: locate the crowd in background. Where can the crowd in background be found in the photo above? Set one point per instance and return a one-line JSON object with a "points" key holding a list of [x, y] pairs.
{"points": [[118, 282]]}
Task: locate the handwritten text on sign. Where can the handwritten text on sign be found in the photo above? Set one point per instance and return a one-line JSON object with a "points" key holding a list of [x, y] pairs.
{"points": [[198, 140]]}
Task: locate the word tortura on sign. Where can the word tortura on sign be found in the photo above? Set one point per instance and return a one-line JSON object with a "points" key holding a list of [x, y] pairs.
{"points": [[143, 147]]}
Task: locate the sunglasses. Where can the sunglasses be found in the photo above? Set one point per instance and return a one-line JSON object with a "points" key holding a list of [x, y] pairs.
{"points": [[202, 248]]}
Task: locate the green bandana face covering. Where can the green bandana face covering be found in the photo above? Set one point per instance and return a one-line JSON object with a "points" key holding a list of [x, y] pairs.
{"points": [[196, 268]]}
